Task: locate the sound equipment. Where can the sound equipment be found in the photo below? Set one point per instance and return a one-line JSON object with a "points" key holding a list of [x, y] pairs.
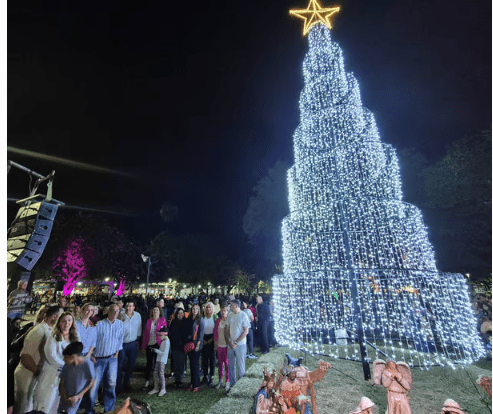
{"points": [[29, 234]]}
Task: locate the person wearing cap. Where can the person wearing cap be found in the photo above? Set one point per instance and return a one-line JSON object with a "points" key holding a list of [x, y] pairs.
{"points": [[236, 331], [364, 407], [76, 378], [451, 407], [161, 361]]}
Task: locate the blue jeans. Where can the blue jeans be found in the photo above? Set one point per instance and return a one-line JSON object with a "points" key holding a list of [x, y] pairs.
{"points": [[129, 355], [236, 357], [106, 370], [250, 341]]}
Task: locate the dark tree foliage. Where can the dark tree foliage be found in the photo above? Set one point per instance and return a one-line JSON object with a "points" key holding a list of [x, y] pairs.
{"points": [[115, 255], [266, 209], [191, 258], [459, 196], [412, 164]]}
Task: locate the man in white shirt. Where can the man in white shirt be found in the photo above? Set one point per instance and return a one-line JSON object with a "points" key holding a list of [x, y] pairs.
{"points": [[132, 322], [235, 333]]}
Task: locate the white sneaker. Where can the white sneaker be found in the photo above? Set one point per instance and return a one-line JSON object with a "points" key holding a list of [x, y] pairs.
{"points": [[161, 393], [253, 356], [154, 391], [147, 384], [228, 387], [220, 385]]}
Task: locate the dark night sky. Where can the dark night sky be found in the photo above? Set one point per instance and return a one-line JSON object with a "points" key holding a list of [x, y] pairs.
{"points": [[197, 100]]}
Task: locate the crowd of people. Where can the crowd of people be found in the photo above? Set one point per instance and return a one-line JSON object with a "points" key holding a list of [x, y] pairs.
{"points": [[80, 352]]}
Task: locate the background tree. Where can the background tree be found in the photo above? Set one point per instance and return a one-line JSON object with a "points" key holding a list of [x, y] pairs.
{"points": [[412, 164], [190, 257], [114, 254], [73, 263], [240, 279], [164, 255], [459, 196], [265, 211]]}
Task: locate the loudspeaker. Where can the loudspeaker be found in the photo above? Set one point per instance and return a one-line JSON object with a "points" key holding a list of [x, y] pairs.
{"points": [[29, 233]]}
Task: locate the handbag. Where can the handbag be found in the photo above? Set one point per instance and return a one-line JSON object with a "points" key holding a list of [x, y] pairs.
{"points": [[190, 346]]}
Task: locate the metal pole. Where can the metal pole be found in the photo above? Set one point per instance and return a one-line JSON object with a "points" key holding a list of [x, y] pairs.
{"points": [[148, 271], [354, 288]]}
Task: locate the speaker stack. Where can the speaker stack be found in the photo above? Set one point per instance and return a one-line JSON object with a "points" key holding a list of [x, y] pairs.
{"points": [[29, 234]]}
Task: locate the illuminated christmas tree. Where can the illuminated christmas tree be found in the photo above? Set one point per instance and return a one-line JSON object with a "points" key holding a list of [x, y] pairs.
{"points": [[359, 268]]}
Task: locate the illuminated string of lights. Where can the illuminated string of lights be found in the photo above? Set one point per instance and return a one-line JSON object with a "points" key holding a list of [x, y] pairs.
{"points": [[347, 215]]}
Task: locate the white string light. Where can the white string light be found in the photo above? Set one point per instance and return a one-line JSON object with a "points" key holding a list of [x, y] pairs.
{"points": [[346, 212]]}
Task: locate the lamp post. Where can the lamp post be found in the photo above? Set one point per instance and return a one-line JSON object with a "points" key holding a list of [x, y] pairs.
{"points": [[147, 259]]}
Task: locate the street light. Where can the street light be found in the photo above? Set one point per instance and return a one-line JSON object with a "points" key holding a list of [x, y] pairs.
{"points": [[147, 259]]}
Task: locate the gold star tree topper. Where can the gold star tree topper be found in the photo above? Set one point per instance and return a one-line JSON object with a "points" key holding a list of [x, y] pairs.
{"points": [[313, 14]]}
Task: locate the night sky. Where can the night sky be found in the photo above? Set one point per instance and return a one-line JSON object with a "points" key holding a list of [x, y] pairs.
{"points": [[192, 102]]}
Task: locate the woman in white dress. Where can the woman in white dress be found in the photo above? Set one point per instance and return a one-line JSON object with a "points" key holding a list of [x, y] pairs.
{"points": [[46, 394]]}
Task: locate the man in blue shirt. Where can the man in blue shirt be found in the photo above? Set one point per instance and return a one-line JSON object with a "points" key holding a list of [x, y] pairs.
{"points": [[109, 342]]}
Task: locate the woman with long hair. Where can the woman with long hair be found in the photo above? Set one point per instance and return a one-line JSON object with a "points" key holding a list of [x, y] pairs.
{"points": [[86, 331], [208, 354], [46, 395], [221, 346], [150, 339], [177, 335], [195, 328]]}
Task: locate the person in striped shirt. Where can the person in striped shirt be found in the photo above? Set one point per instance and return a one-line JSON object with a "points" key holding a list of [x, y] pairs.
{"points": [[109, 342]]}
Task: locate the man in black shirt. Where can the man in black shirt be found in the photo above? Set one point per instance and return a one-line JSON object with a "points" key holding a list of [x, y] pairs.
{"points": [[263, 315]]}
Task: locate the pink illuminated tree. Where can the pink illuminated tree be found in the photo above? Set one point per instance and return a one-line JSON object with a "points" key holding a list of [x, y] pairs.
{"points": [[73, 263], [121, 286]]}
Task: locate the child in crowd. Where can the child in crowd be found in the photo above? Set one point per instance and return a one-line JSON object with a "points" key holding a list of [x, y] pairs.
{"points": [[221, 346], [161, 360], [76, 378]]}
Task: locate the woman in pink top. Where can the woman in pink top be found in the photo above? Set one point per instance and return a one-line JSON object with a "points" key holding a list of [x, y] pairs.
{"points": [[221, 346], [150, 339]]}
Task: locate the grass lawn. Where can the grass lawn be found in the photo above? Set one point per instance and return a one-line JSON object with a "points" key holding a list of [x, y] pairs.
{"points": [[175, 400], [339, 392]]}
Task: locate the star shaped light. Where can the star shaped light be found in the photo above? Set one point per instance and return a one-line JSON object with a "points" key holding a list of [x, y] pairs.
{"points": [[313, 14]]}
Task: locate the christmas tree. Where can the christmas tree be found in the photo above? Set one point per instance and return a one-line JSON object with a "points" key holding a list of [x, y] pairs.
{"points": [[359, 268]]}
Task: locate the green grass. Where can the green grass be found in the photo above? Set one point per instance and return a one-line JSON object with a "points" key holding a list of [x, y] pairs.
{"points": [[175, 400], [339, 392]]}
